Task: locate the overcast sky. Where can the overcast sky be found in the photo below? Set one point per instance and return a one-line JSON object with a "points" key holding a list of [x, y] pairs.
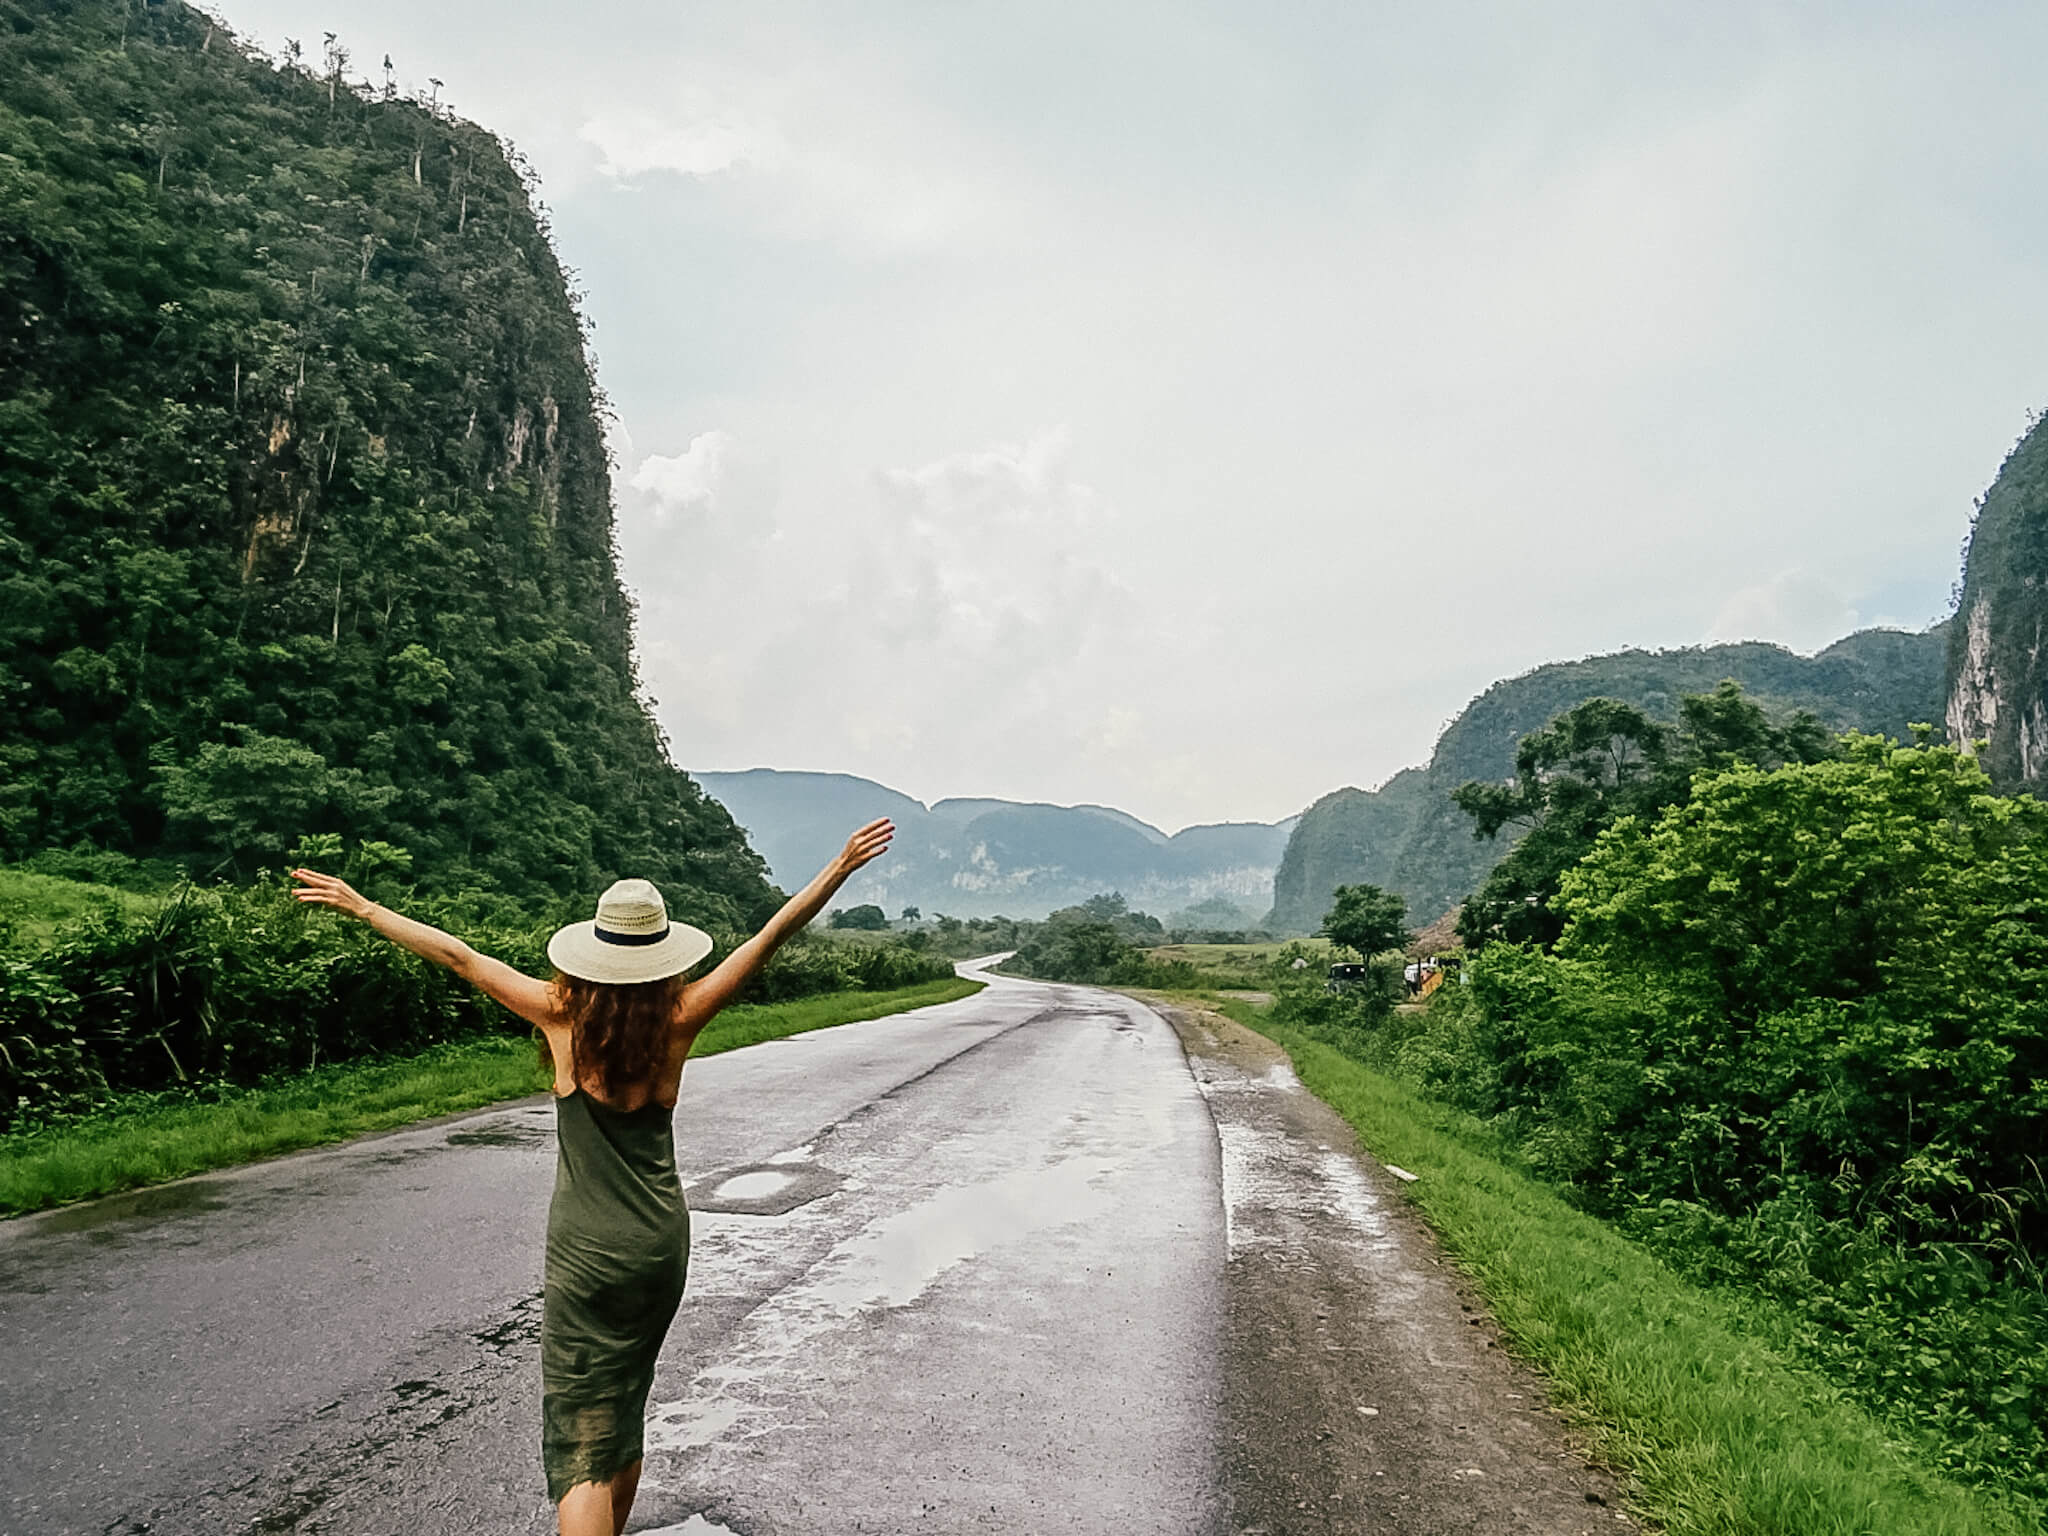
{"points": [[1190, 407]]}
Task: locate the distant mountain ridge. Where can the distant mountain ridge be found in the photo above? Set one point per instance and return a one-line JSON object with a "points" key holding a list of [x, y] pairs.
{"points": [[1407, 836], [980, 857]]}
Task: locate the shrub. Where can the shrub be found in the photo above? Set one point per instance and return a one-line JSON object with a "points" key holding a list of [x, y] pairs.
{"points": [[241, 985]]}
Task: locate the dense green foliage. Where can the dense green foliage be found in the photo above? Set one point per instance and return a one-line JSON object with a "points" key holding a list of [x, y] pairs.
{"points": [[305, 520], [866, 916], [1585, 770], [219, 987], [1410, 838], [1794, 1034], [1997, 676], [1101, 942], [146, 1138], [1696, 1393]]}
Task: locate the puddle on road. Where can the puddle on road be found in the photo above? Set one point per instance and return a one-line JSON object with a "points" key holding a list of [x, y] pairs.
{"points": [[887, 1264], [508, 1135], [190, 1196], [895, 1260], [1281, 1191]]}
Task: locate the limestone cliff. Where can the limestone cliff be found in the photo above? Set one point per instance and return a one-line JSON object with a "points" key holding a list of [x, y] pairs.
{"points": [[1997, 681]]}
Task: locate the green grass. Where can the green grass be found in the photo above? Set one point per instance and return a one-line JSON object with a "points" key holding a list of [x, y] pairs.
{"points": [[1722, 1435], [150, 1139], [1245, 961], [35, 906]]}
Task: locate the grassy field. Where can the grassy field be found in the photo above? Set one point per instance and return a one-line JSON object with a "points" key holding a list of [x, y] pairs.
{"points": [[35, 906], [150, 1140], [1722, 1436], [1240, 963]]}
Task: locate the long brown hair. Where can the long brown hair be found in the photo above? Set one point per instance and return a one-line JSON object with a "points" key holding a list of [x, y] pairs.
{"points": [[620, 1032]]}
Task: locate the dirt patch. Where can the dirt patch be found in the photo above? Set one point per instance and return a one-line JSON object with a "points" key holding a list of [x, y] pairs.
{"points": [[1367, 1390]]}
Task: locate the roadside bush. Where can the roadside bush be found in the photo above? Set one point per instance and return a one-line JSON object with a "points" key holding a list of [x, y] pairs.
{"points": [[1794, 1037], [243, 985], [1304, 1000], [1094, 952], [1930, 1336], [1829, 981]]}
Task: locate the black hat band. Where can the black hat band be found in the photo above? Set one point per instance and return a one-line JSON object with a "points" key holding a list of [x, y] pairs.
{"points": [[609, 937]]}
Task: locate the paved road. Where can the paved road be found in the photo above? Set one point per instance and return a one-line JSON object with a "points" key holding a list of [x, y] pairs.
{"points": [[958, 1270]]}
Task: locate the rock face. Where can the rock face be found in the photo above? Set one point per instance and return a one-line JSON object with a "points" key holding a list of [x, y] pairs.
{"points": [[1997, 680]]}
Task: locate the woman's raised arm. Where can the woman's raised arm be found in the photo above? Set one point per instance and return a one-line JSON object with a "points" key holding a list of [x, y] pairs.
{"points": [[531, 999], [702, 999]]}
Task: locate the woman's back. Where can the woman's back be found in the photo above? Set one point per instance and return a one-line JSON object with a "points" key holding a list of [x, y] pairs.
{"points": [[615, 1173]]}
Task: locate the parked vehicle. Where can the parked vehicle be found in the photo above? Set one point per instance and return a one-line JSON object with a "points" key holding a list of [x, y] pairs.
{"points": [[1344, 977]]}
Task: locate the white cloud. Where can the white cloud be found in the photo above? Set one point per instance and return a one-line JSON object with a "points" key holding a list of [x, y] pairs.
{"points": [[952, 623], [686, 481], [1795, 608], [634, 143]]}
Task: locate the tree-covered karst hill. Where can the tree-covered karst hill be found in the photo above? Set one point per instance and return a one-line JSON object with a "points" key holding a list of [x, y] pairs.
{"points": [[1997, 675], [305, 517], [1408, 836]]}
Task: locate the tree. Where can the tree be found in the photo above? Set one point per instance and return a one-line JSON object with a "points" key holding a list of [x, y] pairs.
{"points": [[911, 914], [1367, 919], [866, 917], [1593, 764], [1822, 979]]}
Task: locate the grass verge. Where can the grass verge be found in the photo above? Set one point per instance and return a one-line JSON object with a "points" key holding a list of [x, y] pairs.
{"points": [[36, 906], [1722, 1435], [150, 1139]]}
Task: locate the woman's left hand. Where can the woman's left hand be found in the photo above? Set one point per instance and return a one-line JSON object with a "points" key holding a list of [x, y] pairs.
{"points": [[869, 843], [330, 891]]}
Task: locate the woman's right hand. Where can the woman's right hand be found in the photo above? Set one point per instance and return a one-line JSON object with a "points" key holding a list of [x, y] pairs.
{"points": [[866, 845], [331, 891]]}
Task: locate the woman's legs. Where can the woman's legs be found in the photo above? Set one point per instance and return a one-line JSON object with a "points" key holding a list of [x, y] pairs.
{"points": [[586, 1510], [599, 1509], [625, 1483]]}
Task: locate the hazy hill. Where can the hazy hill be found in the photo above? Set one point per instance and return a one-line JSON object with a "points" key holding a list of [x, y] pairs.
{"points": [[980, 857], [1408, 837], [1997, 682], [305, 523]]}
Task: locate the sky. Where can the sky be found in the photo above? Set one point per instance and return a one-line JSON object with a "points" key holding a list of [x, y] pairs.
{"points": [[1190, 407]]}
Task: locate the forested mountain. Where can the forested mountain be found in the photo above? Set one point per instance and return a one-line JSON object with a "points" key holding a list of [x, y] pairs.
{"points": [[1997, 677], [305, 517], [982, 857], [1408, 837]]}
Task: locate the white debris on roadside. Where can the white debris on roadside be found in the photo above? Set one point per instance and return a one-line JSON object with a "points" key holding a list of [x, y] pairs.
{"points": [[1401, 1173]]}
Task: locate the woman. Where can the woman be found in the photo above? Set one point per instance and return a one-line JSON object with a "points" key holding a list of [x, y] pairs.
{"points": [[618, 1020]]}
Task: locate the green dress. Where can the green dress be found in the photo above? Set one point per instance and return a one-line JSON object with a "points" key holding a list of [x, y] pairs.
{"points": [[618, 1248]]}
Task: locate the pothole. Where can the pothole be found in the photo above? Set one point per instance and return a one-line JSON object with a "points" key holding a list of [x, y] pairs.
{"points": [[762, 1189], [764, 1185]]}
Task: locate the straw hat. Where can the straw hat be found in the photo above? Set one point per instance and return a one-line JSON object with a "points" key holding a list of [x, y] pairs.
{"points": [[631, 940]]}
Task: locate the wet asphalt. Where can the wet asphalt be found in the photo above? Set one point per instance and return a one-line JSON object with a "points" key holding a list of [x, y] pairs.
{"points": [[957, 1270]]}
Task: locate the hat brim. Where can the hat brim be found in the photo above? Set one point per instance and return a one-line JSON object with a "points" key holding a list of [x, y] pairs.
{"points": [[577, 951]]}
